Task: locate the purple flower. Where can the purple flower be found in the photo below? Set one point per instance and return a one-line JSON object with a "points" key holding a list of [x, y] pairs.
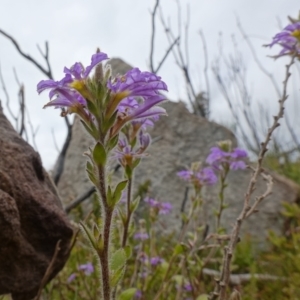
{"points": [[88, 268], [154, 261], [234, 159], [163, 208], [138, 294], [78, 72], [188, 287], [288, 39], [71, 277], [144, 87], [205, 176], [67, 91], [141, 236]]}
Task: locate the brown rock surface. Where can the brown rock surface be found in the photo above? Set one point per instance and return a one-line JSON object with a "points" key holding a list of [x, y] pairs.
{"points": [[31, 218], [183, 138]]}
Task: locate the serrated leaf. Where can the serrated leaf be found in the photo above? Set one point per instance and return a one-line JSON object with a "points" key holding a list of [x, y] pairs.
{"points": [[118, 260], [99, 154], [128, 294]]}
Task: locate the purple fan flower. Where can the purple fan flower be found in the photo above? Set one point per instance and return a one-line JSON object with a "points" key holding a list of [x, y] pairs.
{"points": [[163, 208], [71, 278], [219, 158], [154, 261], [138, 295], [205, 176], [88, 268], [142, 85], [65, 92], [141, 236], [288, 39], [188, 287]]}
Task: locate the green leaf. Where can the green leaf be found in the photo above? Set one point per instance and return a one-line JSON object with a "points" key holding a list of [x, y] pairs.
{"points": [[118, 191], [118, 260], [116, 277], [109, 194], [99, 154], [91, 107], [178, 249], [178, 279], [135, 203], [128, 251], [89, 234], [88, 129], [89, 166], [128, 294], [110, 122], [202, 297], [92, 177], [128, 171], [136, 163], [112, 143]]}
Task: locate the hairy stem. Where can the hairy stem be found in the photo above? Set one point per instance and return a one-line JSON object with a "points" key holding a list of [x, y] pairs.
{"points": [[104, 253], [128, 217]]}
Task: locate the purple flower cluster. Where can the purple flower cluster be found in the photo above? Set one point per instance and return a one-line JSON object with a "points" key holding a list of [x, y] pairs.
{"points": [[163, 208], [288, 39], [135, 95], [202, 177], [219, 158], [136, 85], [87, 268], [66, 92], [154, 261], [142, 236]]}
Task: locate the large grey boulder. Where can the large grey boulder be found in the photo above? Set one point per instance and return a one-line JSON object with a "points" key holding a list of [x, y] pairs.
{"points": [[32, 219], [180, 139]]}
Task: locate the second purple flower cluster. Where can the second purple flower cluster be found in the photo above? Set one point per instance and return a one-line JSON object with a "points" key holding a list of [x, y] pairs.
{"points": [[220, 158]]}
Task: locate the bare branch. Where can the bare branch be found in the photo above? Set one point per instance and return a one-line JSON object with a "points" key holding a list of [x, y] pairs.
{"points": [[27, 56], [153, 14], [205, 69], [238, 279], [6, 96], [22, 109], [61, 158], [48, 271], [221, 284], [80, 199], [175, 42]]}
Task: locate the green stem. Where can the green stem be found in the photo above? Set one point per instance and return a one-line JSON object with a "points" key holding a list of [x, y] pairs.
{"points": [[221, 199], [104, 253], [128, 217]]}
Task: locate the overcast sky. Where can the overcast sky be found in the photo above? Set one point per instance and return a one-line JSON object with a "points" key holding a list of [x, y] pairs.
{"points": [[121, 28]]}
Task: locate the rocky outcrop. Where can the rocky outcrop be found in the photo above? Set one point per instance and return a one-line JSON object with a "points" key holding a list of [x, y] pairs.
{"points": [[180, 139], [31, 218]]}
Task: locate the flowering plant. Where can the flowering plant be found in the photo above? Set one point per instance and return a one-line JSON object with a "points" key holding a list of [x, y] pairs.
{"points": [[115, 113]]}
